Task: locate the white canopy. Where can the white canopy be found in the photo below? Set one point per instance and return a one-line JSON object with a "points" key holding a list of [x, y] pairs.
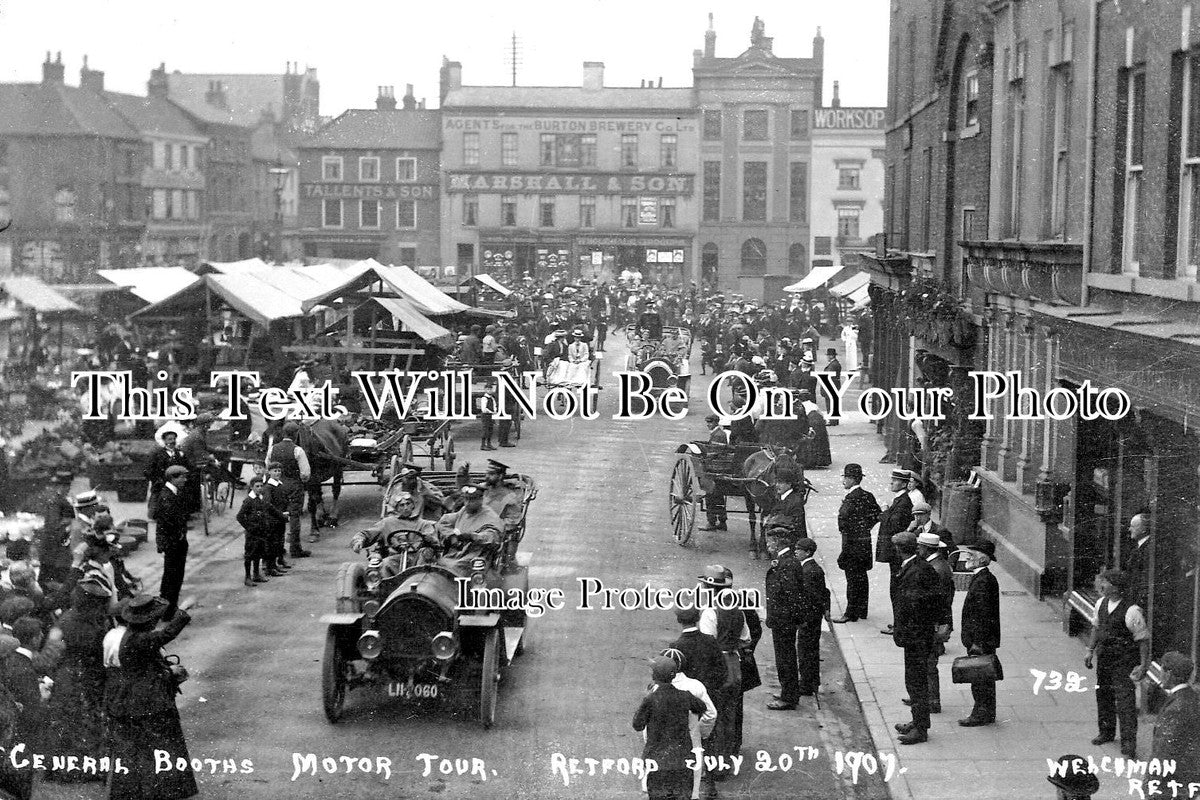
{"points": [[814, 279], [851, 285], [151, 283], [492, 283]]}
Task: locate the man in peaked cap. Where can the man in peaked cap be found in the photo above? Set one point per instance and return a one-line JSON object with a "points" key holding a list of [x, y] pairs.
{"points": [[170, 533], [1120, 651], [469, 533], [856, 517], [895, 519], [923, 523]]}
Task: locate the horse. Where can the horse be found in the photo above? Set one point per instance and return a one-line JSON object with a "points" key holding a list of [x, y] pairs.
{"points": [[326, 443], [760, 470]]}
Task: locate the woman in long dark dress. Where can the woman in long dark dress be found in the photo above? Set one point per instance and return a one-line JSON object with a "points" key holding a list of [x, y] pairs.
{"points": [[76, 724], [139, 698], [817, 454]]}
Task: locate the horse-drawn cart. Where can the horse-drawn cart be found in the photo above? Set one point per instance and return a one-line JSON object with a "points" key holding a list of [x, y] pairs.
{"points": [[706, 473]]}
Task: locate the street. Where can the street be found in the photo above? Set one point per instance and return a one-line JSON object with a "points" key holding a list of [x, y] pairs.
{"points": [[255, 654]]}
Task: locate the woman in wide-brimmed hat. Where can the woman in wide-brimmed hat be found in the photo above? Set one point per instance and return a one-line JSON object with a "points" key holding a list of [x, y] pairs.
{"points": [[139, 699]]}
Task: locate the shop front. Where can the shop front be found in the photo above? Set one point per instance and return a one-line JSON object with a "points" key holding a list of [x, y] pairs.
{"points": [[590, 257], [509, 258]]}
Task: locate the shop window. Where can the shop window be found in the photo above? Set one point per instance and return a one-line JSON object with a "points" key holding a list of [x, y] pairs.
{"points": [[666, 211], [64, 204], [406, 169], [547, 150], [508, 210], [629, 212], [331, 168], [798, 192], [546, 212], [587, 150], [754, 191], [470, 149], [331, 213], [712, 125], [508, 150], [797, 259], [470, 209], [587, 211], [406, 213], [368, 168], [368, 214], [754, 126], [668, 151], [629, 151], [712, 191], [754, 257]]}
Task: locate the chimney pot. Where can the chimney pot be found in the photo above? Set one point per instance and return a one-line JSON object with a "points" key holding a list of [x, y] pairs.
{"points": [[593, 75], [52, 72]]}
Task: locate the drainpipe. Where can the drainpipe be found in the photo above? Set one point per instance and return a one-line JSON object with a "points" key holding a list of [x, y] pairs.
{"points": [[1089, 157]]}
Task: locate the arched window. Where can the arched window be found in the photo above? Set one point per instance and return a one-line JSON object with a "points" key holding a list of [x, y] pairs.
{"points": [[709, 263], [754, 257], [64, 204], [797, 259]]}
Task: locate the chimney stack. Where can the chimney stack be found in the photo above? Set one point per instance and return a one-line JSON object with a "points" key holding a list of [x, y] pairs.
{"points": [[710, 39], [157, 85], [386, 101], [593, 75], [836, 102], [451, 77], [53, 72], [215, 96], [410, 100], [91, 79]]}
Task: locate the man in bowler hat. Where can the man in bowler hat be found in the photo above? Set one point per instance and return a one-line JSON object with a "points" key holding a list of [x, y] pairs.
{"points": [[856, 517], [980, 626]]}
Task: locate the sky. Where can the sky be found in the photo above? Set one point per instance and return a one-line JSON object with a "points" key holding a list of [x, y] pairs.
{"points": [[357, 46]]}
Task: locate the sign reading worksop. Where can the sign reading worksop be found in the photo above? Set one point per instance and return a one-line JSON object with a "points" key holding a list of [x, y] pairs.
{"points": [[849, 119]]}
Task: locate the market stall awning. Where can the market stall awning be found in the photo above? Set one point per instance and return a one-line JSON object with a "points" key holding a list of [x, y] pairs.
{"points": [[396, 282], [151, 284], [851, 285], [816, 278], [225, 267], [492, 283], [860, 296], [403, 312], [8, 315], [31, 292]]}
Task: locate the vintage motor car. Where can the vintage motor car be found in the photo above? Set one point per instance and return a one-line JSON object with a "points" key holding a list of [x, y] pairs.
{"points": [[398, 621]]}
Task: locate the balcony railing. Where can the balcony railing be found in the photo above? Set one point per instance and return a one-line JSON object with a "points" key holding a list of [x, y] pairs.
{"points": [[1046, 272]]}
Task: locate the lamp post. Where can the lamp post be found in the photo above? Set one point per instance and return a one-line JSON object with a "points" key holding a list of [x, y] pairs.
{"points": [[279, 176]]}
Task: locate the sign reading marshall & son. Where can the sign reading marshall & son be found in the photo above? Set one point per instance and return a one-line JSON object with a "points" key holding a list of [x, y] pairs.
{"points": [[849, 119], [370, 191], [666, 125], [593, 183]]}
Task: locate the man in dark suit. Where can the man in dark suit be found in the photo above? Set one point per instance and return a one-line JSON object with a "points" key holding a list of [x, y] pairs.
{"points": [[857, 515], [1175, 732], [785, 588], [895, 519], [23, 682], [162, 459], [933, 550], [1137, 563], [170, 533], [701, 652], [981, 627], [915, 602], [714, 504], [814, 606], [923, 523], [787, 511]]}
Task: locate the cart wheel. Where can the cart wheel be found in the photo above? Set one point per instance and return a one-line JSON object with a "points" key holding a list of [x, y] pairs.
{"points": [[490, 680], [333, 678], [683, 501], [448, 452]]}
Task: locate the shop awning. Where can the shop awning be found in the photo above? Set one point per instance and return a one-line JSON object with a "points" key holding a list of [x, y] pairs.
{"points": [[815, 279], [31, 292], [151, 284], [412, 319], [492, 283], [851, 285], [860, 296]]}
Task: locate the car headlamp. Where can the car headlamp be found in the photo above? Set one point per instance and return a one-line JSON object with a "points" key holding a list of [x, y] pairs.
{"points": [[444, 646], [371, 608], [373, 578], [370, 644]]}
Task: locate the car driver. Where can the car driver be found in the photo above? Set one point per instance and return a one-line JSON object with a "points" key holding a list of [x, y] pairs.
{"points": [[400, 532]]}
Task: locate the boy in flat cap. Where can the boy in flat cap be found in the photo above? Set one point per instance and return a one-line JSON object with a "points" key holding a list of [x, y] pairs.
{"points": [[664, 716]]}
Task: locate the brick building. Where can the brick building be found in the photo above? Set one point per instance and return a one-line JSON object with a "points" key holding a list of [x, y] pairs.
{"points": [[370, 185], [588, 180], [70, 180], [755, 150]]}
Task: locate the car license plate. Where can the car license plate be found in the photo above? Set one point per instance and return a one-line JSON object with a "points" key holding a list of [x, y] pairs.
{"points": [[419, 691]]}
